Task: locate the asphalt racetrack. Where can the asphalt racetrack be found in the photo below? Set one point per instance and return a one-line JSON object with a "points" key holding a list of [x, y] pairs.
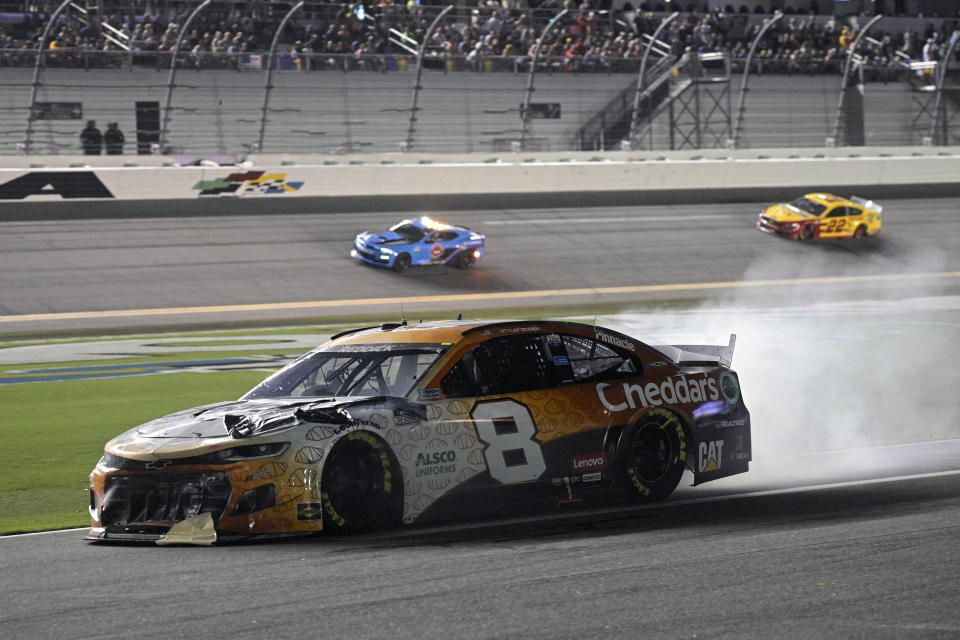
{"points": [[847, 525], [139, 272], [856, 559]]}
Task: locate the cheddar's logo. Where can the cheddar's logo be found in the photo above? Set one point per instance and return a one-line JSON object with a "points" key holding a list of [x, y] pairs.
{"points": [[675, 389]]}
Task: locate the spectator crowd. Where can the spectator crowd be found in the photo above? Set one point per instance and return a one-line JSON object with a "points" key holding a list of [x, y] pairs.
{"points": [[589, 38]]}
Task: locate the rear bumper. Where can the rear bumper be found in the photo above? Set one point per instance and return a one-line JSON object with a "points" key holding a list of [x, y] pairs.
{"points": [[721, 445], [478, 253]]}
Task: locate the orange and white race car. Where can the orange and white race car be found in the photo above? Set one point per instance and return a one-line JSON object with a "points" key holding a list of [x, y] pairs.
{"points": [[822, 215], [403, 424]]}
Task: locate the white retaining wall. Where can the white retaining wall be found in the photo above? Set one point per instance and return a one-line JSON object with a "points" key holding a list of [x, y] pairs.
{"points": [[292, 177]]}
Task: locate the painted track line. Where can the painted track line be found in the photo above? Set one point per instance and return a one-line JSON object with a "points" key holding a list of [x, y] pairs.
{"points": [[630, 219], [42, 533], [468, 297]]}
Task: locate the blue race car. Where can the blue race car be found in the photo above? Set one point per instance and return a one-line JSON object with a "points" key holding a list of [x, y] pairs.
{"points": [[420, 241]]}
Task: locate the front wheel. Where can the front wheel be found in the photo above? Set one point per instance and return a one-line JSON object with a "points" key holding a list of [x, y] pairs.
{"points": [[360, 487], [401, 263], [807, 232], [654, 457]]}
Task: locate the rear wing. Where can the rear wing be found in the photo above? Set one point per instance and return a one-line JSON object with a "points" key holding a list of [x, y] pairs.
{"points": [[867, 204], [705, 354]]}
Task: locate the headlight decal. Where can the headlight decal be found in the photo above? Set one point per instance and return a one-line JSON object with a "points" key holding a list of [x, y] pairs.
{"points": [[248, 452], [224, 456]]}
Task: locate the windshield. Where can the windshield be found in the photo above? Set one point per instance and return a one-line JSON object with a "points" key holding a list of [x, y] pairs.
{"points": [[410, 232], [351, 370], [808, 205]]}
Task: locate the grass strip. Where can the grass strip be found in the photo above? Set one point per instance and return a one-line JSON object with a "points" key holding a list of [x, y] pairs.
{"points": [[53, 434], [146, 359]]}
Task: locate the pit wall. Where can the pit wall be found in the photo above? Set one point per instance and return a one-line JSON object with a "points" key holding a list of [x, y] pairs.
{"points": [[78, 187]]}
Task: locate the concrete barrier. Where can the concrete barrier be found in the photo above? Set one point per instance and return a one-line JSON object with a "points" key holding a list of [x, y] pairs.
{"points": [[75, 187]]}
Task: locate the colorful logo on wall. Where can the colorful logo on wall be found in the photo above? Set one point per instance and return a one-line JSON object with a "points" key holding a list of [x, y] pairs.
{"points": [[246, 183]]}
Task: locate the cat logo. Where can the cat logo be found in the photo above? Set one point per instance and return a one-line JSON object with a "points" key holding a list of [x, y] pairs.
{"points": [[709, 456]]}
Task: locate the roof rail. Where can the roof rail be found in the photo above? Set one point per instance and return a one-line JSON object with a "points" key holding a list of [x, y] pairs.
{"points": [[349, 331]]}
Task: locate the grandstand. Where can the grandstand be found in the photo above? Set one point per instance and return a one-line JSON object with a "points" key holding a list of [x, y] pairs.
{"points": [[343, 78]]}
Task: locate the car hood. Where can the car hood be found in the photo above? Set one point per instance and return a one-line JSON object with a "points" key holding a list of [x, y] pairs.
{"points": [[386, 237], [786, 213], [207, 428]]}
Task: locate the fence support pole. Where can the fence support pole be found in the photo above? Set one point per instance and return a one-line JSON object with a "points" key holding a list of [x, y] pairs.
{"points": [[641, 84], [266, 83], [831, 141], [412, 128], [741, 100], [37, 65], [525, 116], [173, 74], [935, 121]]}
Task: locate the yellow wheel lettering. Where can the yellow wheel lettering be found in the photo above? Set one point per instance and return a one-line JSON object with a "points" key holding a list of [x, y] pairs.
{"points": [[637, 483], [386, 466], [328, 507], [387, 473], [669, 420]]}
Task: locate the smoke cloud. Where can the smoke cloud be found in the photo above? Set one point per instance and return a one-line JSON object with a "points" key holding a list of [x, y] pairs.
{"points": [[835, 367]]}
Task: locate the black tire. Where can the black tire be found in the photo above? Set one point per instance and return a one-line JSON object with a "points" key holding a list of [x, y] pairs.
{"points": [[465, 260], [360, 488], [654, 457], [401, 263], [806, 233], [860, 232]]}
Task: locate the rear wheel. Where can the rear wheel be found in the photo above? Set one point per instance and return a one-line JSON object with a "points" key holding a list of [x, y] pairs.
{"points": [[401, 263], [360, 487], [466, 260], [654, 457], [860, 232]]}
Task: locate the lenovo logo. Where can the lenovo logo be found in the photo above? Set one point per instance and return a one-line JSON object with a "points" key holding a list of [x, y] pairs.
{"points": [[589, 462]]}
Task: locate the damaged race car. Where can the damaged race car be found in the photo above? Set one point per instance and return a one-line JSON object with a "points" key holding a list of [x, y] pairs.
{"points": [[408, 424], [417, 242], [822, 215]]}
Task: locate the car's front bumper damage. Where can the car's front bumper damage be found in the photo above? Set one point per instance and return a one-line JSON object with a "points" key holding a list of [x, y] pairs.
{"points": [[200, 504], [198, 530]]}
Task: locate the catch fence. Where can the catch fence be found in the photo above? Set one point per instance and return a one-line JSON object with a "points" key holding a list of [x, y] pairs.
{"points": [[222, 104]]}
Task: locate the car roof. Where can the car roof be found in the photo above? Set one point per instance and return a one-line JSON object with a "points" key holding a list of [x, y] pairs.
{"points": [[425, 332], [826, 198], [452, 331], [428, 223]]}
